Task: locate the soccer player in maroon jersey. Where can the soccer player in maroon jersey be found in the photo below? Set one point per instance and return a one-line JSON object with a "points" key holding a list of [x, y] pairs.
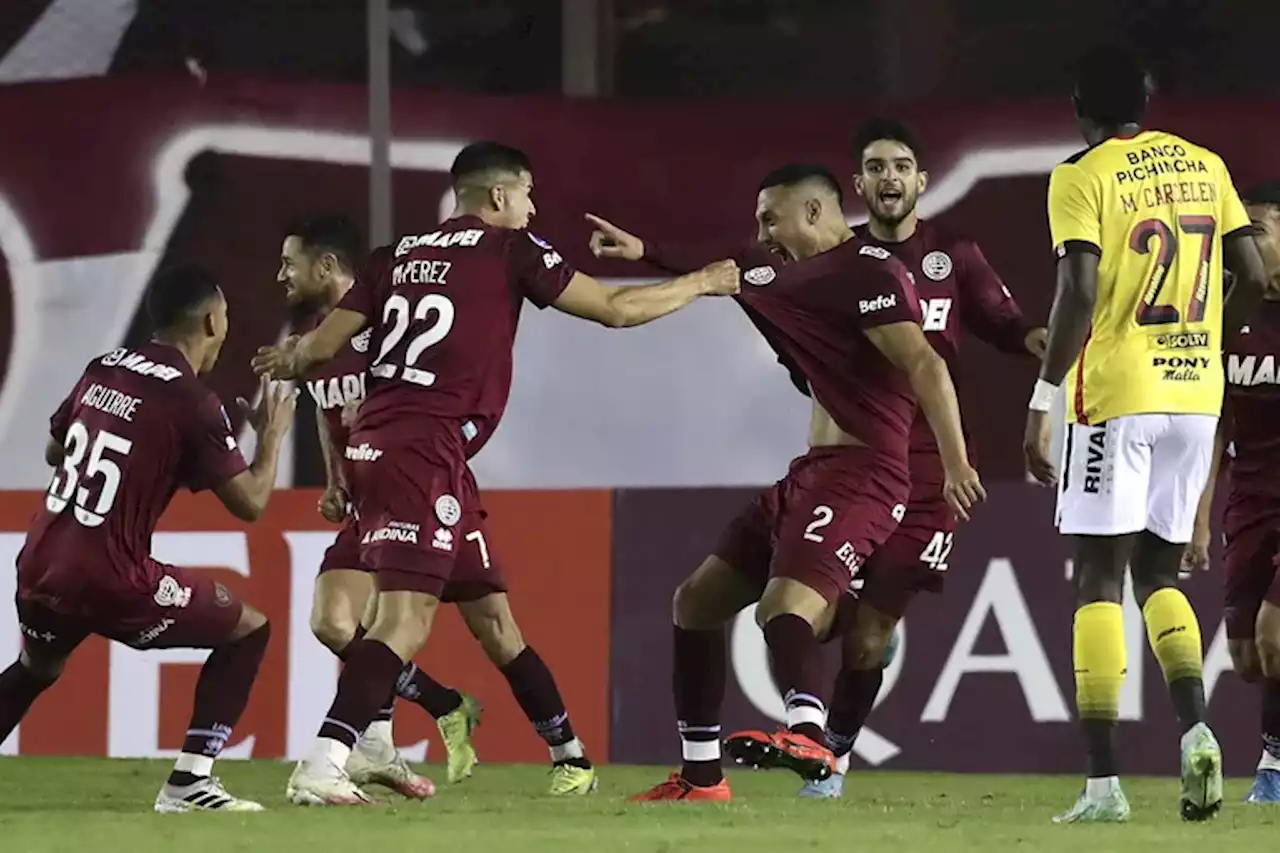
{"points": [[1250, 426], [444, 306], [844, 318], [958, 291], [136, 427], [317, 263]]}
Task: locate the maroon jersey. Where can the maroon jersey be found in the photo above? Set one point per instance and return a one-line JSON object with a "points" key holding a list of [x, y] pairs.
{"points": [[958, 291], [337, 382], [136, 427], [1253, 403], [814, 313], [444, 308]]}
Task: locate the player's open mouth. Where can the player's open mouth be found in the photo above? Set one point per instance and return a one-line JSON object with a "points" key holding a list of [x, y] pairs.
{"points": [[889, 196]]}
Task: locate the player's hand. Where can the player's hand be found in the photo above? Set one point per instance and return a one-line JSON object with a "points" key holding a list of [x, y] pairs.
{"points": [[1037, 444], [963, 490], [350, 409], [723, 278], [610, 241], [1037, 341], [278, 362], [1195, 558], [255, 413], [333, 504], [279, 401]]}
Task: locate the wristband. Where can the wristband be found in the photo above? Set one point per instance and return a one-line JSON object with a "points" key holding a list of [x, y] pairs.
{"points": [[1042, 397]]}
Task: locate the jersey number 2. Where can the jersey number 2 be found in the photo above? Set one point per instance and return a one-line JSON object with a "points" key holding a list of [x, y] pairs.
{"points": [[77, 471], [397, 314], [1154, 236]]}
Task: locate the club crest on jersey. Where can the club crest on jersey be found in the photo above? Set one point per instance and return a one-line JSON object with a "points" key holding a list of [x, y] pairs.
{"points": [[540, 243], [360, 343], [448, 510], [936, 265], [760, 276]]}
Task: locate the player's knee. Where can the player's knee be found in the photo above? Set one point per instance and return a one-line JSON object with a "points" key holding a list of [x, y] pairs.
{"points": [[709, 597], [1245, 659], [1268, 649], [333, 627], [404, 620], [1094, 584], [787, 596], [492, 623]]}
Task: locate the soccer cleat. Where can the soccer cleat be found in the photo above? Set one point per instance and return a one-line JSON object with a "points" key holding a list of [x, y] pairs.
{"points": [[456, 729], [1201, 774], [1112, 808], [204, 795], [831, 788], [1266, 787], [332, 789], [393, 772], [677, 788], [570, 781], [811, 761]]}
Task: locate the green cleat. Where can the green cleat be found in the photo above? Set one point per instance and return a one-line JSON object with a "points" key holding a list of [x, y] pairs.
{"points": [[1112, 808], [1201, 774], [456, 729], [570, 781]]}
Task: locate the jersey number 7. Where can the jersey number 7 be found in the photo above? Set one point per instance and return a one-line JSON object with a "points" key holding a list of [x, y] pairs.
{"points": [[1154, 236]]}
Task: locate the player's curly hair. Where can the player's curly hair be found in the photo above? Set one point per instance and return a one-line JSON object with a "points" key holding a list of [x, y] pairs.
{"points": [[1112, 86], [329, 233], [798, 173], [880, 128], [176, 293]]}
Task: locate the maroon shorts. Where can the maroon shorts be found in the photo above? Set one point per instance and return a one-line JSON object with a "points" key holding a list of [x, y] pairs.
{"points": [[420, 519], [1251, 526], [181, 608], [344, 553], [820, 523], [913, 559]]}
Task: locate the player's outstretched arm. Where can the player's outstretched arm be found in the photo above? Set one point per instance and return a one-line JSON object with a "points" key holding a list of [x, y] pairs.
{"points": [[297, 355], [1243, 259], [621, 307], [610, 241], [246, 495], [1196, 556], [988, 309], [905, 346]]}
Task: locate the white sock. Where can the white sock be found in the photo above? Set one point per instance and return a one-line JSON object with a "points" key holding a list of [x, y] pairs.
{"points": [[1268, 761], [1101, 787], [842, 763], [327, 757], [196, 765], [567, 751], [700, 750], [377, 738]]}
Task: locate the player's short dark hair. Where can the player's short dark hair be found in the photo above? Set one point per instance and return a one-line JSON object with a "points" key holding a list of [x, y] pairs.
{"points": [[1112, 86], [176, 293], [891, 129], [794, 174], [329, 233], [1263, 192], [479, 157]]}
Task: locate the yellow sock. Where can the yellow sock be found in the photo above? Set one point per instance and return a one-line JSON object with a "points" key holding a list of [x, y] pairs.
{"points": [[1174, 634], [1098, 653]]}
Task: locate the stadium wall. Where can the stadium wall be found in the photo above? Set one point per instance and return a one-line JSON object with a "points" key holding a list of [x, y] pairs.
{"points": [[983, 682]]}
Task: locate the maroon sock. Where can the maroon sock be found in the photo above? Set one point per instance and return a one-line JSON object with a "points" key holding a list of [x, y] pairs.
{"points": [[355, 638], [697, 681], [366, 681], [535, 689], [18, 691], [1270, 717], [851, 702], [797, 666], [429, 694]]}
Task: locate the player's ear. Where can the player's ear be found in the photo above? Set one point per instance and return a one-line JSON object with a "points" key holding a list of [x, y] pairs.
{"points": [[498, 196], [858, 183], [812, 210], [922, 180]]}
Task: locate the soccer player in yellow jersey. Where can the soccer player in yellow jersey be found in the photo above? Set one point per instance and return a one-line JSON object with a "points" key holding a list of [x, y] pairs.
{"points": [[1142, 222]]}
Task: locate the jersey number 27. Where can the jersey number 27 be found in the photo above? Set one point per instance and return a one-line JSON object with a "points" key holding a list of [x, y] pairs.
{"points": [[1155, 237]]}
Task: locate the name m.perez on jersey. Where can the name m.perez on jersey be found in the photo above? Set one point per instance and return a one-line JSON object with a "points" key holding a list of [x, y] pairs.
{"points": [[881, 302]]}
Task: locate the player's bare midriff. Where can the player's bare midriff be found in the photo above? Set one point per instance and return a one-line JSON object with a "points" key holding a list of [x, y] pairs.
{"points": [[825, 432]]}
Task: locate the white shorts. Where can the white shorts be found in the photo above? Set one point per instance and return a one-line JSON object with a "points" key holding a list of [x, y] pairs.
{"points": [[1135, 473]]}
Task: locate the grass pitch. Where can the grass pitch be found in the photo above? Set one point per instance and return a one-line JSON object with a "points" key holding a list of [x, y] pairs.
{"points": [[56, 804]]}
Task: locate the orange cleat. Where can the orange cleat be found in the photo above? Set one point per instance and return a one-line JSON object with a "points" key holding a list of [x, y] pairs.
{"points": [[676, 788], [809, 760]]}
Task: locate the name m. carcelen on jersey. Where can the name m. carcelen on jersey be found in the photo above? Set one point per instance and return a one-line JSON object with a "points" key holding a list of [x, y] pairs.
{"points": [[1160, 161]]}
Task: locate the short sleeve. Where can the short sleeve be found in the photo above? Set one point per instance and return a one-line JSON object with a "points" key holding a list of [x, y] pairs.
{"points": [[1232, 216], [886, 294], [1075, 211], [538, 271], [363, 295], [213, 457]]}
